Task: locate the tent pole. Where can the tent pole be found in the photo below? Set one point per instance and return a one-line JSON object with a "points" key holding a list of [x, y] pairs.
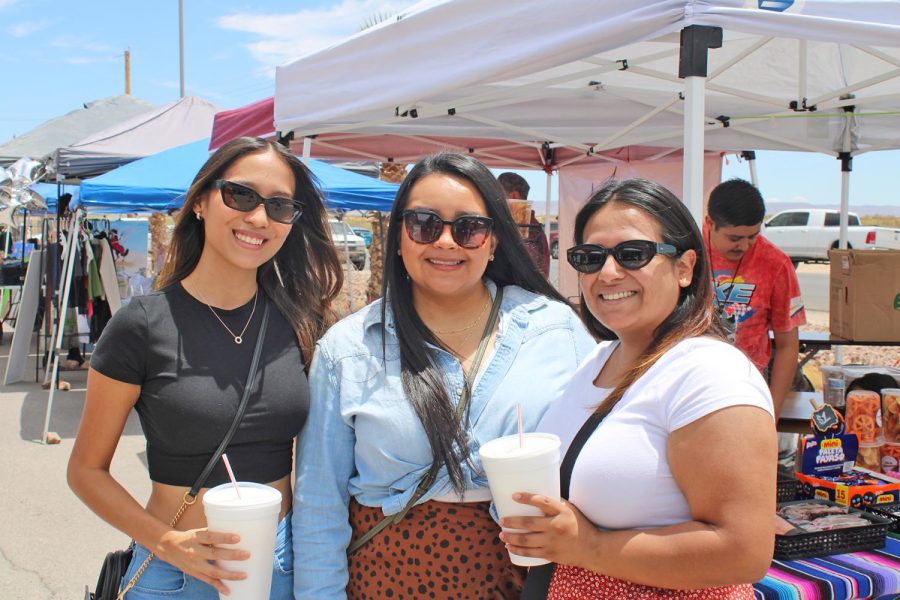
{"points": [[750, 157], [696, 40], [307, 149], [61, 316]]}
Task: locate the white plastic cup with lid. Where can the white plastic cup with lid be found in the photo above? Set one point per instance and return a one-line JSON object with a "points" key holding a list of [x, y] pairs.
{"points": [[511, 467], [254, 516]]}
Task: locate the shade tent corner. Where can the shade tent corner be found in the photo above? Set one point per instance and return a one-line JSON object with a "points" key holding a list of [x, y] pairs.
{"points": [[73, 126], [186, 120]]}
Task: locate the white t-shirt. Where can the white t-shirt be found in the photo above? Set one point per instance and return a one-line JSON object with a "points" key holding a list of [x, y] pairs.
{"points": [[622, 479]]}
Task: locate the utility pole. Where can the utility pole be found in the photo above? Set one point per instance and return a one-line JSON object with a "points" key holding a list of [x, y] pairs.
{"points": [[127, 72], [181, 43]]}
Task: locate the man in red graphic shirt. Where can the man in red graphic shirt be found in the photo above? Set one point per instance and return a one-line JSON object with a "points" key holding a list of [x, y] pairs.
{"points": [[755, 283]]}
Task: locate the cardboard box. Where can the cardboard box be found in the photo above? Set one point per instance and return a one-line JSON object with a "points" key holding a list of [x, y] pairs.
{"points": [[857, 496], [865, 294]]}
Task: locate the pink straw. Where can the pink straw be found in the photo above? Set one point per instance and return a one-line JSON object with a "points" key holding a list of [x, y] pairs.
{"points": [[237, 490], [519, 418]]}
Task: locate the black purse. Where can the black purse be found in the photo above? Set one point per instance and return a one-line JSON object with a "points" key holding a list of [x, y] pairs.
{"points": [[537, 584], [115, 565]]}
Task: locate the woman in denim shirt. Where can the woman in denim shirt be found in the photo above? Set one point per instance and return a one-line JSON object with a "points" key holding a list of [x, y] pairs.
{"points": [[385, 387]]}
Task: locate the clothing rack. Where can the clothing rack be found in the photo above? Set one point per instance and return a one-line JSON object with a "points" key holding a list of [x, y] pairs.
{"points": [[78, 227]]}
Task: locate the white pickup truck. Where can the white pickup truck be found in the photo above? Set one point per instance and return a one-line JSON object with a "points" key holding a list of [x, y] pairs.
{"points": [[806, 235]]}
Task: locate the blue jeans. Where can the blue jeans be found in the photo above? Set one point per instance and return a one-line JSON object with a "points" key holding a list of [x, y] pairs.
{"points": [[162, 580]]}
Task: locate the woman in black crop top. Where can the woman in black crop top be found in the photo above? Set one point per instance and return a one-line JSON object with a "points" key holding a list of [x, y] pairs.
{"points": [[252, 232]]}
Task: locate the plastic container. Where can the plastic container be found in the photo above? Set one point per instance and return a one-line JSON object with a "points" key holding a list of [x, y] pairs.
{"points": [[863, 416], [869, 457], [788, 488], [890, 414], [889, 455]]}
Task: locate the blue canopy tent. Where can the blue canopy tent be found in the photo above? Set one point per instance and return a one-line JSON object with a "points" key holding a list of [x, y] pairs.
{"points": [[159, 182], [51, 191]]}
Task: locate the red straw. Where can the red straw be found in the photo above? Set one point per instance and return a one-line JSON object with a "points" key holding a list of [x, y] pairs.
{"points": [[519, 418], [237, 490]]}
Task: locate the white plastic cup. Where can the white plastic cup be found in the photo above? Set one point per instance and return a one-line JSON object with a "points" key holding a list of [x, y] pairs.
{"points": [[532, 467], [254, 517]]}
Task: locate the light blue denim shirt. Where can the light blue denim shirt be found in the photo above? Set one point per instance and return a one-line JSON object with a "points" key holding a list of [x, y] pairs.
{"points": [[362, 438]]}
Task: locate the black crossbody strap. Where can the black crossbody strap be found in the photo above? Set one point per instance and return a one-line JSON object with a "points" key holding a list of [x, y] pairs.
{"points": [[431, 476], [537, 585], [242, 407]]}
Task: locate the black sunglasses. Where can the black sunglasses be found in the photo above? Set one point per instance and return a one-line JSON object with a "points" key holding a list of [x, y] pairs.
{"points": [[426, 226], [632, 255], [245, 199]]}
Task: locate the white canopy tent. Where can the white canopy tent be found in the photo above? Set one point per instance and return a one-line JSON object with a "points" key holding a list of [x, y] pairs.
{"points": [[575, 78]]}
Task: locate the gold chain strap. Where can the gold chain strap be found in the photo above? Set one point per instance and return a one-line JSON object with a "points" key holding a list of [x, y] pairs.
{"points": [[186, 502]]}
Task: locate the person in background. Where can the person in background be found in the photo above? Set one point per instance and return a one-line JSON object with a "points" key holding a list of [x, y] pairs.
{"points": [[400, 403], [756, 287], [252, 233], [517, 188], [673, 493]]}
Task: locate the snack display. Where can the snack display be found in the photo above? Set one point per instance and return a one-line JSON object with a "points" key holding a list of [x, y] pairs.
{"points": [[890, 414], [815, 516], [869, 457], [820, 528], [890, 458], [864, 415]]}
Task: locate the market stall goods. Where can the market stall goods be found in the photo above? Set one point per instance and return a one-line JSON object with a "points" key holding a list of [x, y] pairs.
{"points": [[890, 414], [864, 415]]}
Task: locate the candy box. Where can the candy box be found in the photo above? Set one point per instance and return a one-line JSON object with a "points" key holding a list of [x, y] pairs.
{"points": [[857, 488]]}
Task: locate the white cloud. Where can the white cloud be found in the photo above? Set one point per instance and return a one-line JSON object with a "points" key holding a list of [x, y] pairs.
{"points": [[26, 28], [285, 37], [83, 45]]}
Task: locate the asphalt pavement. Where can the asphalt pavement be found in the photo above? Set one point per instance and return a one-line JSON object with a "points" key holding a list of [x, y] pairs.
{"points": [[51, 545]]}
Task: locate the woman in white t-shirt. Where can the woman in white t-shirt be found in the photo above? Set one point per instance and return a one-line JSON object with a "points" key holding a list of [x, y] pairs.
{"points": [[673, 494]]}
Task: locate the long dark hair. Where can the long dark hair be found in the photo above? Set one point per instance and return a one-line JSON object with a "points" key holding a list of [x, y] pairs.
{"points": [[420, 374], [694, 315], [308, 262]]}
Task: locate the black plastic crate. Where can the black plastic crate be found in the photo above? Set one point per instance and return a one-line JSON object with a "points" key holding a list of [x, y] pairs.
{"points": [[837, 541], [887, 511], [788, 487]]}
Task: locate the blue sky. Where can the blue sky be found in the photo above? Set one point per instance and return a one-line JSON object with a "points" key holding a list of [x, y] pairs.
{"points": [[56, 55]]}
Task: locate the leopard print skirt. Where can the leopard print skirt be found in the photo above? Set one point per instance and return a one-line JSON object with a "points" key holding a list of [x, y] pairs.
{"points": [[439, 550]]}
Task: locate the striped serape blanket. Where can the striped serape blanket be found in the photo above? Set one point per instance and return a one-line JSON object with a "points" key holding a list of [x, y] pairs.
{"points": [[871, 574]]}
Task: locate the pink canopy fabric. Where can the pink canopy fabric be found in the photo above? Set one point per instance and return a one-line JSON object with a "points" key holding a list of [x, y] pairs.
{"points": [[254, 120]]}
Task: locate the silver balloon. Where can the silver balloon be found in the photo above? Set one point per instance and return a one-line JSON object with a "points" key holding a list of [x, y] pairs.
{"points": [[26, 170], [14, 182]]}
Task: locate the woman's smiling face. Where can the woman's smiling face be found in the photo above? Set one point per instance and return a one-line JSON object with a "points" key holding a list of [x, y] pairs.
{"points": [[246, 240], [632, 303], [443, 268]]}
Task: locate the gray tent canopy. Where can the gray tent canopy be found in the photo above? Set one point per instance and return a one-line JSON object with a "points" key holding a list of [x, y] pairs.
{"points": [[71, 127]]}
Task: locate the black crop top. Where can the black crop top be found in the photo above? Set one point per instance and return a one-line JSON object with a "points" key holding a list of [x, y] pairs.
{"points": [[192, 375]]}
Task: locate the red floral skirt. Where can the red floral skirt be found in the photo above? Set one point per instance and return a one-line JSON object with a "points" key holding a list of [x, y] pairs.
{"points": [[439, 550], [575, 583]]}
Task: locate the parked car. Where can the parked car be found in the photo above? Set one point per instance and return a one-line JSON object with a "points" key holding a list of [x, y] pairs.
{"points": [[364, 233], [554, 239], [806, 235], [348, 242]]}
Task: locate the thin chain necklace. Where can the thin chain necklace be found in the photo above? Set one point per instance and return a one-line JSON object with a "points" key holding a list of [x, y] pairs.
{"points": [[470, 325], [238, 338]]}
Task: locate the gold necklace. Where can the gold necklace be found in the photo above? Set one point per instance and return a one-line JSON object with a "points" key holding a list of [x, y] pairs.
{"points": [[239, 338], [470, 325]]}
